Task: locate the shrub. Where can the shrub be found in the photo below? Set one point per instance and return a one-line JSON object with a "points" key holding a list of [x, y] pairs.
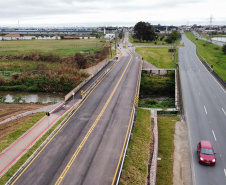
{"points": [[224, 49]]}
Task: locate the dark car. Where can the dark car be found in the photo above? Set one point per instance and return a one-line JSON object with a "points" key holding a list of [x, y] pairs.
{"points": [[206, 153]]}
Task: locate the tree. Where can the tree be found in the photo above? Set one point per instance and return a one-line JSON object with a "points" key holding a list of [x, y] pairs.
{"points": [[173, 37], [224, 49], [143, 31]]}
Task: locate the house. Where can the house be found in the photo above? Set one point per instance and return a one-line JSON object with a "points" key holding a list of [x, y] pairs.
{"points": [[11, 37]]}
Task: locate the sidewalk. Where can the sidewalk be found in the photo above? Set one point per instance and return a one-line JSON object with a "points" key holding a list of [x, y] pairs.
{"points": [[17, 149]]}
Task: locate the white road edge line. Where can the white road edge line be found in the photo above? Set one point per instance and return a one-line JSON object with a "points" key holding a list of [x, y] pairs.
{"points": [[224, 172], [224, 111], [205, 109], [214, 135]]}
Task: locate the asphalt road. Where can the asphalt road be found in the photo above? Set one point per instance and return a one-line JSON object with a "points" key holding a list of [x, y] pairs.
{"points": [[205, 111], [87, 148], [213, 41]]}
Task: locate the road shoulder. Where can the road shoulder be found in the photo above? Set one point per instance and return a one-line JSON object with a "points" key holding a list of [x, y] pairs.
{"points": [[181, 164]]}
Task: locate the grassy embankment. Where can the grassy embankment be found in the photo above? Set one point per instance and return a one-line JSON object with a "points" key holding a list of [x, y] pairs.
{"points": [[24, 158], [137, 159], [212, 54], [48, 65], [157, 86], [166, 130], [13, 130]]}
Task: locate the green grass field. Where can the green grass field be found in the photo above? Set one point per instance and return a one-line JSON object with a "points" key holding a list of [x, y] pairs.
{"points": [[166, 130], [136, 162], [158, 56], [212, 53], [61, 47]]}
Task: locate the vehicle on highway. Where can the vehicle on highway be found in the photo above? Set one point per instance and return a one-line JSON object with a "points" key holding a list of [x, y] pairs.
{"points": [[206, 153]]}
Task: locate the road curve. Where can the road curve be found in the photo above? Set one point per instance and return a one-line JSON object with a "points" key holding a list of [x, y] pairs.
{"points": [[204, 104], [86, 150]]}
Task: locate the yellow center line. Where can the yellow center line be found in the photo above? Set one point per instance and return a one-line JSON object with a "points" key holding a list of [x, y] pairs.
{"points": [[127, 133], [59, 129], [91, 129]]}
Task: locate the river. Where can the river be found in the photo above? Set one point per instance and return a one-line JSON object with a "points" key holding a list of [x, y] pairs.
{"points": [[33, 96], [221, 39]]}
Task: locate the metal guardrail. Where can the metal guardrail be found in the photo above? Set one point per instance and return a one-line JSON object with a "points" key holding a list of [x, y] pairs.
{"points": [[76, 89], [208, 67], [130, 130], [58, 127]]}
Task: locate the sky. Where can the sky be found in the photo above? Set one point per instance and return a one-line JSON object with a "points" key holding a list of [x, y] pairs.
{"points": [[71, 13]]}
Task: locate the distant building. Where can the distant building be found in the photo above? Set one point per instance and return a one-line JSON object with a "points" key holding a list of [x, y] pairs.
{"points": [[11, 37], [109, 36]]}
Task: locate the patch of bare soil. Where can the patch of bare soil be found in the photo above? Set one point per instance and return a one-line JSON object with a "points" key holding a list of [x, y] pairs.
{"points": [[9, 110]]}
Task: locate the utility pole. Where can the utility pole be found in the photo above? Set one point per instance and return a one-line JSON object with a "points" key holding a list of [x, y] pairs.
{"points": [[110, 45]]}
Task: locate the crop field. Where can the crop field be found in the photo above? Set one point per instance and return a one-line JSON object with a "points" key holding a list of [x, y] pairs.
{"points": [[61, 47]]}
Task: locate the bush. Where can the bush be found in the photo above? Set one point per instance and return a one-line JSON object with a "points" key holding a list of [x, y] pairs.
{"points": [[224, 49]]}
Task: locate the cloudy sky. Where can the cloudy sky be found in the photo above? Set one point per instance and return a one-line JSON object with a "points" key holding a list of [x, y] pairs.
{"points": [[110, 12]]}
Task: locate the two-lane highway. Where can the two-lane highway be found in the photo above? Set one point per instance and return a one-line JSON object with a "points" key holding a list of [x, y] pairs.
{"points": [[87, 149], [205, 104]]}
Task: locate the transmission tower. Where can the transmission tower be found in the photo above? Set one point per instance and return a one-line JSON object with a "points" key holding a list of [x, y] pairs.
{"points": [[211, 20]]}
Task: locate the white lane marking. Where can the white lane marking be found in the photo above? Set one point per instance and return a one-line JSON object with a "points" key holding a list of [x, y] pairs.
{"points": [[199, 94], [190, 69], [214, 135], [214, 78], [224, 112], [199, 70], [196, 66], [224, 172], [205, 109]]}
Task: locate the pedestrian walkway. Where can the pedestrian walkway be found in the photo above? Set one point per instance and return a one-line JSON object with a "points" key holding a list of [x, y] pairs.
{"points": [[17, 149]]}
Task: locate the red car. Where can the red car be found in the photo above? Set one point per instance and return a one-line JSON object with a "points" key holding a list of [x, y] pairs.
{"points": [[206, 153]]}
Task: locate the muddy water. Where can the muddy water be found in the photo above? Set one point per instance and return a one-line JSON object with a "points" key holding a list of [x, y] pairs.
{"points": [[33, 97]]}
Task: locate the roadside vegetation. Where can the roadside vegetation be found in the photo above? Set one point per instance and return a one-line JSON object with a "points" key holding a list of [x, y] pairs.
{"points": [[12, 131], [212, 53], [25, 157], [48, 65], [157, 91], [166, 130], [137, 159], [158, 56]]}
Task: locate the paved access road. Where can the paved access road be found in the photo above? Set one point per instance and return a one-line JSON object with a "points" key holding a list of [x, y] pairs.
{"points": [[87, 149], [205, 111], [213, 41]]}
